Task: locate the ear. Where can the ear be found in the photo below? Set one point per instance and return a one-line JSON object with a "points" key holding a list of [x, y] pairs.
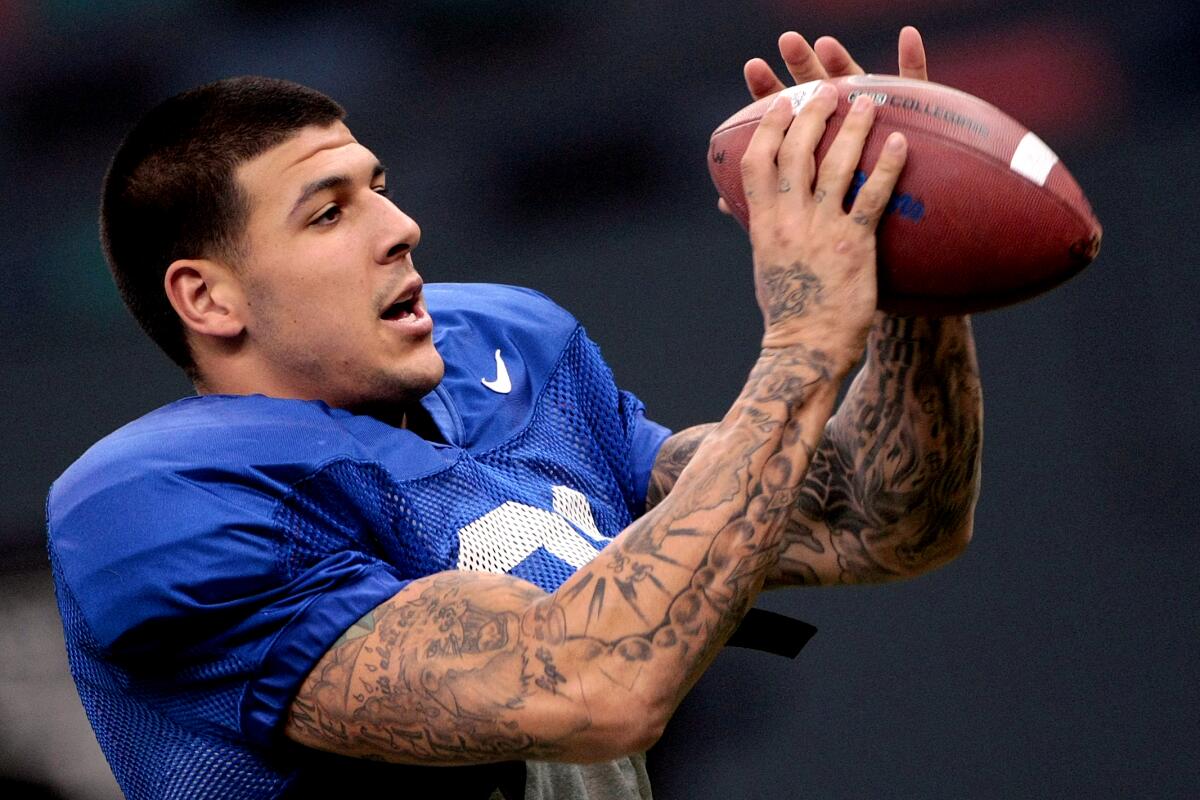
{"points": [[207, 297]]}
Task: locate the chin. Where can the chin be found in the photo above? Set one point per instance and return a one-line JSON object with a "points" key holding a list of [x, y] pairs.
{"points": [[388, 395], [432, 369], [417, 378]]}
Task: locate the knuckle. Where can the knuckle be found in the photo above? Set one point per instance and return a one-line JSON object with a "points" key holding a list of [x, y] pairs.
{"points": [[889, 162], [844, 147], [831, 159], [779, 233], [881, 176], [816, 109], [856, 128], [800, 170], [759, 142], [751, 163], [890, 169], [861, 121], [854, 247], [774, 119], [870, 199], [832, 166], [803, 61], [864, 221]]}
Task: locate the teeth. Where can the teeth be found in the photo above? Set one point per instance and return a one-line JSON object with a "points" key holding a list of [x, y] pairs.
{"points": [[399, 310]]}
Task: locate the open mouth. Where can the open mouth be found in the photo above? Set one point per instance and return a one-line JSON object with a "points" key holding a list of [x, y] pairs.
{"points": [[407, 313], [401, 309], [406, 306]]}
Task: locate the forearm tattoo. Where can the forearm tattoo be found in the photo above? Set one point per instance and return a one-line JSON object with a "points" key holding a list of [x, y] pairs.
{"points": [[892, 486], [468, 667], [674, 455]]}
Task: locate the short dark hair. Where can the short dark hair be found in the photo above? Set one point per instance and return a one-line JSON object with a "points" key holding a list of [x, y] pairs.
{"points": [[171, 192]]}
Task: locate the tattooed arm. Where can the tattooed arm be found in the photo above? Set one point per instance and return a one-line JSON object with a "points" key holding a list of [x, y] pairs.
{"points": [[892, 487], [464, 667], [891, 491]]}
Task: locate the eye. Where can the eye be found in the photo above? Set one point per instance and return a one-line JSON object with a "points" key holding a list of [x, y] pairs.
{"points": [[329, 216], [383, 190]]}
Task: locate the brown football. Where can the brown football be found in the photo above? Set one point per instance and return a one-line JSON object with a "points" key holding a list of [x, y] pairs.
{"points": [[984, 215]]}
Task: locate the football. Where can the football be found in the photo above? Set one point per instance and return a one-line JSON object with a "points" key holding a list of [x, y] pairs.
{"points": [[984, 214]]}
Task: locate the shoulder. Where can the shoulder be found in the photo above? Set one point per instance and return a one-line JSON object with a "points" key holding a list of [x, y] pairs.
{"points": [[496, 300], [235, 454], [181, 506], [497, 307], [502, 347], [281, 439]]}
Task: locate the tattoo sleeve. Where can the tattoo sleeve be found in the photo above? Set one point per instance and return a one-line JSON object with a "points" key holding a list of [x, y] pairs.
{"points": [[892, 486], [464, 667]]}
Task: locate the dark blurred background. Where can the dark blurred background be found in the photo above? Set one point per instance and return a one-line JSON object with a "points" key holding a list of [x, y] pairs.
{"points": [[561, 145]]}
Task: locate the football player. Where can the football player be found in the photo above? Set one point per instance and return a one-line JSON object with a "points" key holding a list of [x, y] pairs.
{"points": [[418, 524]]}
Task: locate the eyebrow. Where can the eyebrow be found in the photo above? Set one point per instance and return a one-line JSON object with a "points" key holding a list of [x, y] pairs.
{"points": [[330, 182]]}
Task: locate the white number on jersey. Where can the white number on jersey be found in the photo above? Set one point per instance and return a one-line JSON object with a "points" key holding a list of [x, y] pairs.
{"points": [[510, 533]]}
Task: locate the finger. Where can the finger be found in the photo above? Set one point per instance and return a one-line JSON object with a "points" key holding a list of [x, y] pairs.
{"points": [[797, 162], [761, 79], [912, 54], [835, 58], [837, 168], [758, 162], [874, 195], [802, 63]]}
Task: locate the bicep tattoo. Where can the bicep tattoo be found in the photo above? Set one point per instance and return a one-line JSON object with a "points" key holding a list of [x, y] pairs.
{"points": [[436, 676]]}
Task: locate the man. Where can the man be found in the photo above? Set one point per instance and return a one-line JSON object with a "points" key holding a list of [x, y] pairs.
{"points": [[356, 545]]}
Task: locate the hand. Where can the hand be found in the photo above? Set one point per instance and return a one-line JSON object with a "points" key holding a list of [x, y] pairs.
{"points": [[827, 58], [814, 264]]}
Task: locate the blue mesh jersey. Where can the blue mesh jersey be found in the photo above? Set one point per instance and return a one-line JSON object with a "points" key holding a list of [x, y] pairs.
{"points": [[207, 555]]}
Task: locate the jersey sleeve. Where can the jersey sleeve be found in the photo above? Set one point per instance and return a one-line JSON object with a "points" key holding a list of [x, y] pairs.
{"points": [[212, 591], [629, 439], [645, 438], [333, 594]]}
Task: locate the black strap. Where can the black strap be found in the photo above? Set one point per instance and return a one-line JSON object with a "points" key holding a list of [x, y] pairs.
{"points": [[772, 633]]}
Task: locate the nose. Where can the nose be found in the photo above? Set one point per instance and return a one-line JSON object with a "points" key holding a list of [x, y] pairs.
{"points": [[398, 233]]}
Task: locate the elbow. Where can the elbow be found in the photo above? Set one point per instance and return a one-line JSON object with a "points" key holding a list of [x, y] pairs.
{"points": [[960, 530], [959, 538], [642, 733], [635, 736], [654, 723], [938, 546], [952, 543], [655, 707], [627, 728]]}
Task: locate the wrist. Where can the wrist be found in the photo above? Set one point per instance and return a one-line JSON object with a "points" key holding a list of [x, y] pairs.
{"points": [[833, 355], [897, 338], [798, 371]]}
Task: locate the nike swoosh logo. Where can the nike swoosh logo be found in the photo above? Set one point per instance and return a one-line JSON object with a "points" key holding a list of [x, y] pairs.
{"points": [[502, 384]]}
